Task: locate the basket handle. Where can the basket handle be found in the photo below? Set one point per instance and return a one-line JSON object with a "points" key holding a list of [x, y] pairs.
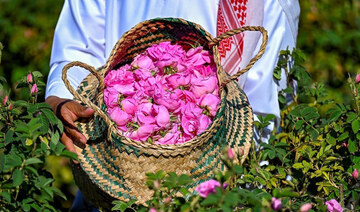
{"points": [[232, 32], [83, 99]]}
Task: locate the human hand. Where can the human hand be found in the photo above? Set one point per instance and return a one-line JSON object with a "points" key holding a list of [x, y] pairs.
{"points": [[69, 111]]}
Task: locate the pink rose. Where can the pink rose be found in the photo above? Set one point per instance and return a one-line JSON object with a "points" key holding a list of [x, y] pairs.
{"points": [[143, 132], [306, 207], [5, 99], [357, 78], [164, 54], [177, 80], [111, 97], [225, 185], [119, 116], [333, 206], [201, 86], [171, 137], [210, 102], [197, 57], [127, 89], [194, 126], [146, 85], [207, 187], [29, 78], [162, 117], [34, 89], [206, 71], [276, 204], [129, 105], [152, 210], [204, 122], [142, 61], [355, 174], [122, 76], [144, 119], [142, 74], [191, 110], [230, 154], [170, 100], [145, 108], [185, 95], [140, 96]]}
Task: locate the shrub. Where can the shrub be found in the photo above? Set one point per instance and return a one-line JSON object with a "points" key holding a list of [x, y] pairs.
{"points": [[312, 161], [29, 132]]}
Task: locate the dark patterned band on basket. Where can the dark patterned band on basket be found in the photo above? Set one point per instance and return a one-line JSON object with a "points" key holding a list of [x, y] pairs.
{"points": [[113, 165]]}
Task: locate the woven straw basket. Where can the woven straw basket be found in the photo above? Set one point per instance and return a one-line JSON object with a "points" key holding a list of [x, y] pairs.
{"points": [[113, 167]]}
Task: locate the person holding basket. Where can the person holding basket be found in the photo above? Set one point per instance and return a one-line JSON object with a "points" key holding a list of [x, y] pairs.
{"points": [[87, 30]]}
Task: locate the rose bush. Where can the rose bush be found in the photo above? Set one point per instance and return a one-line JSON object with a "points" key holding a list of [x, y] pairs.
{"points": [[29, 132], [311, 163]]}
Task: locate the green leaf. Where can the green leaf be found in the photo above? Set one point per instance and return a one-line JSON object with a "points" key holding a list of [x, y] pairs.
{"points": [[9, 136], [249, 178], [6, 196], [20, 103], [21, 127], [352, 146], [331, 140], [225, 208], [13, 161], [269, 117], [298, 124], [212, 199], [288, 192], [55, 137], [343, 136], [32, 161], [271, 154], [37, 74], [351, 117], [119, 205], [26, 207], [298, 166], [44, 124], [314, 134], [18, 177], [308, 110], [50, 115], [58, 192], [260, 180], [69, 154], [277, 73], [31, 169], [335, 113], [355, 125]]}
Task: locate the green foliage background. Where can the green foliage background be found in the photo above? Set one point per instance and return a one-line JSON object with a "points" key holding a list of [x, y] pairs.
{"points": [[329, 35]]}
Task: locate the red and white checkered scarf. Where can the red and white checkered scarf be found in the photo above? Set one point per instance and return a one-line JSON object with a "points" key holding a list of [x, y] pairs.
{"points": [[236, 51]]}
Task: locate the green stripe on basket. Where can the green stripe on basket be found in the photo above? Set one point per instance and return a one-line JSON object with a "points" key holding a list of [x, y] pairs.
{"points": [[105, 187]]}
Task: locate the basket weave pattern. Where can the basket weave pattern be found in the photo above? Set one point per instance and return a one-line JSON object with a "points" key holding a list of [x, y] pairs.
{"points": [[114, 166]]}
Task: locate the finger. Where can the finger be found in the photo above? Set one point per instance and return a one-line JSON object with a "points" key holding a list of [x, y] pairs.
{"points": [[70, 127], [79, 110], [69, 145], [66, 140], [78, 138]]}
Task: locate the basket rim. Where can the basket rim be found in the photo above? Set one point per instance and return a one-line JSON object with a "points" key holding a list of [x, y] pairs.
{"points": [[197, 140]]}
